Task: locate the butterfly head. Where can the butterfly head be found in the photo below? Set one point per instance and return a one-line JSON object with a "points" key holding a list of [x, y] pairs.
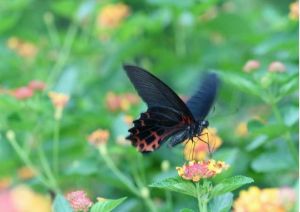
{"points": [[204, 124]]}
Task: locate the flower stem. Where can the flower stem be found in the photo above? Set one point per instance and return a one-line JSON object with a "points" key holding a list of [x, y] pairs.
{"points": [[291, 146], [136, 190], [26, 160], [47, 169], [56, 146], [109, 163], [202, 200]]}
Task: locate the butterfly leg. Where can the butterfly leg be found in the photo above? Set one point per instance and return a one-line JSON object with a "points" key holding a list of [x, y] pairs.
{"points": [[207, 142], [191, 155]]}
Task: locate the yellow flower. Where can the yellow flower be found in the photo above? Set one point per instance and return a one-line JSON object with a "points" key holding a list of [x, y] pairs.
{"points": [[256, 200], [112, 15], [294, 11], [198, 149], [26, 173], [25, 199], [195, 171], [98, 137], [242, 129], [22, 48], [59, 101]]}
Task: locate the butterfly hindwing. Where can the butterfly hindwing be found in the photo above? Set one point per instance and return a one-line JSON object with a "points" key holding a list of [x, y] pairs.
{"points": [[152, 129]]}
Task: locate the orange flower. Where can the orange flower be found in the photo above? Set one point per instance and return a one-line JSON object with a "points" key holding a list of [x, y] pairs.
{"points": [[121, 102], [5, 183], [112, 15], [26, 173], [22, 48], [256, 199], [195, 171], [276, 66], [251, 65], [242, 129], [198, 150], [59, 100], [98, 137], [294, 11]]}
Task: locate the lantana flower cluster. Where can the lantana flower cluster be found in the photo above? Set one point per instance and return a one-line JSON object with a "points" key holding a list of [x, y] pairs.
{"points": [[267, 200], [79, 201], [195, 171], [123, 102], [197, 149], [25, 92], [23, 48], [112, 15]]}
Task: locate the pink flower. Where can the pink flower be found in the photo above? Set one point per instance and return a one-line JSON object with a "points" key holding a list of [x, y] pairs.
{"points": [[22, 93], [37, 85], [79, 200], [251, 65], [276, 66], [204, 169]]}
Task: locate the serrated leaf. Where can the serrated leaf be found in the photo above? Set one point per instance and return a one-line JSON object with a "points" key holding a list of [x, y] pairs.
{"points": [[60, 204], [230, 184], [107, 205], [221, 203], [177, 184]]}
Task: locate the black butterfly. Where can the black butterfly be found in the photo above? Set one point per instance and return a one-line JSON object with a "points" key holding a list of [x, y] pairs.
{"points": [[168, 117]]}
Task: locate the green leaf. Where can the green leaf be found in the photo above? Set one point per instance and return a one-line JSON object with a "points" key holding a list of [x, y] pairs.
{"points": [[221, 203], [186, 210], [60, 204], [177, 184], [273, 161], [107, 205], [230, 184]]}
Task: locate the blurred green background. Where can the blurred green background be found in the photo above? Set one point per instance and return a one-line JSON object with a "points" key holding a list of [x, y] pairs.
{"points": [[78, 48]]}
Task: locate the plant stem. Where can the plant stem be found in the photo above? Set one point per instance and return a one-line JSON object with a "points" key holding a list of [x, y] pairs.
{"points": [[291, 146], [126, 181], [202, 200], [47, 169], [56, 146], [24, 157]]}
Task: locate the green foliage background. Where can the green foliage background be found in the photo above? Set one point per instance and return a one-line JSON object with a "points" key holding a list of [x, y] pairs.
{"points": [[175, 40]]}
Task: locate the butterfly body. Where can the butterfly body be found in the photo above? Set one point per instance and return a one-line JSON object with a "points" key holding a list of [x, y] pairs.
{"points": [[168, 118]]}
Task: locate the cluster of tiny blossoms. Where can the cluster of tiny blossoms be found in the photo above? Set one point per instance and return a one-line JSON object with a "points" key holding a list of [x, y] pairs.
{"points": [[196, 171], [79, 201], [123, 102], [275, 66], [112, 15], [26, 91], [59, 101], [267, 200], [197, 149], [23, 48]]}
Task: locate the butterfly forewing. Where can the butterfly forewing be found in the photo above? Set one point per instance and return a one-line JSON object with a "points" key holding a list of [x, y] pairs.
{"points": [[154, 92], [201, 102]]}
